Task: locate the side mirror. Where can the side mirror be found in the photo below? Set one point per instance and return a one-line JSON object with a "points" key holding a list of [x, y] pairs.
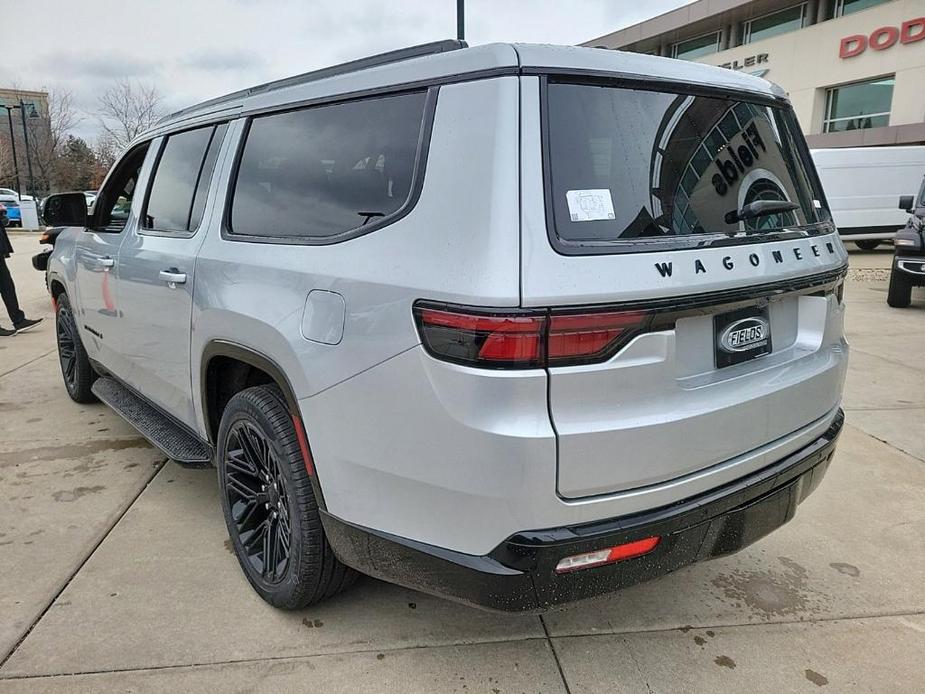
{"points": [[907, 203], [65, 210]]}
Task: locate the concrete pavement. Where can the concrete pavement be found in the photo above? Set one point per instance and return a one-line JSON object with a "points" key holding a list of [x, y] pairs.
{"points": [[115, 572]]}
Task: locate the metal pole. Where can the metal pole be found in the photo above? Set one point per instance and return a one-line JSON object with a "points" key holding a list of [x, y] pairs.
{"points": [[461, 20], [25, 134], [9, 117]]}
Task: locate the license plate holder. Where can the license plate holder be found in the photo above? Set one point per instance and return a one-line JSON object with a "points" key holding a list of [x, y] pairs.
{"points": [[741, 335]]}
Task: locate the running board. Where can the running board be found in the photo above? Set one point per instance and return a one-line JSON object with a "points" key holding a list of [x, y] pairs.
{"points": [[175, 441]]}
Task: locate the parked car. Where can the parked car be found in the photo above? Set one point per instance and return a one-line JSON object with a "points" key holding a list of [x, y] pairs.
{"points": [[10, 191], [12, 209], [862, 185], [512, 324], [908, 269]]}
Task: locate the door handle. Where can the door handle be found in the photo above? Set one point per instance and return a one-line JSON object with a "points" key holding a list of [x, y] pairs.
{"points": [[172, 277], [105, 261]]}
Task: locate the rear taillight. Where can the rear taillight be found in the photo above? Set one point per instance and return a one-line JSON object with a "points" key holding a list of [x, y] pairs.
{"points": [[524, 339], [611, 555]]}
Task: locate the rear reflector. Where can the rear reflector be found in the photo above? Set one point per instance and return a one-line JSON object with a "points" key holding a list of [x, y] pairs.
{"points": [[525, 338], [607, 556]]}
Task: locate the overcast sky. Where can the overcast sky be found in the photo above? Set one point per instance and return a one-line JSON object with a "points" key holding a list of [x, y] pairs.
{"points": [[197, 49]]}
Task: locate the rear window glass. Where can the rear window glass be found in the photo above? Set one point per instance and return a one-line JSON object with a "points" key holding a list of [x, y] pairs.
{"points": [[322, 172], [631, 166]]}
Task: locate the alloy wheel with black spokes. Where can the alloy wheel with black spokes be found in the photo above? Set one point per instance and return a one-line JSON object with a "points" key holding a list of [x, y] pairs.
{"points": [[269, 503], [76, 370], [258, 499]]}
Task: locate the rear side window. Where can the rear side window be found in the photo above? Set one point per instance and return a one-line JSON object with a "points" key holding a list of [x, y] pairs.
{"points": [[181, 179], [328, 172], [628, 169]]}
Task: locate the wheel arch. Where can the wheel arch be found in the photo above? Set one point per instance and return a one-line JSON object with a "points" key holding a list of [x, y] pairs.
{"points": [[218, 350]]}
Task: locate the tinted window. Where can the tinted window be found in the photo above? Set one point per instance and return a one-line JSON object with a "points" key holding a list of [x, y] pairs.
{"points": [[629, 164], [859, 106], [205, 176], [175, 178], [324, 171], [694, 48]]}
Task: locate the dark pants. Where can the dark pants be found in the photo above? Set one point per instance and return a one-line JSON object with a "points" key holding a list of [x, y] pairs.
{"points": [[8, 291]]}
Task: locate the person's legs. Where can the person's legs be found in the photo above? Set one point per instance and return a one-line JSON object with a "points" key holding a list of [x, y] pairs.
{"points": [[8, 291]]}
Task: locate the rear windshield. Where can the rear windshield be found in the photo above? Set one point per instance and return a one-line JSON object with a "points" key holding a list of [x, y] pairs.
{"points": [[629, 168]]}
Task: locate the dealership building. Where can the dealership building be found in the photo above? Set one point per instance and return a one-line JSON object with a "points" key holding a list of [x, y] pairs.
{"points": [[854, 69]]}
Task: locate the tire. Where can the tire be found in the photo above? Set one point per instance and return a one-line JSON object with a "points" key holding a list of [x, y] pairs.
{"points": [[76, 370], [261, 473], [868, 245], [899, 294]]}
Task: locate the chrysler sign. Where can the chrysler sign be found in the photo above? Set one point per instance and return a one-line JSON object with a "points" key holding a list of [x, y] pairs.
{"points": [[883, 38]]}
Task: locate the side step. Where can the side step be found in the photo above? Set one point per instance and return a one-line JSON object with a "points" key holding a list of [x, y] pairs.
{"points": [[174, 440]]}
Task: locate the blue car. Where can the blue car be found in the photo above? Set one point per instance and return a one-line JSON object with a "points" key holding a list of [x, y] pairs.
{"points": [[13, 212]]}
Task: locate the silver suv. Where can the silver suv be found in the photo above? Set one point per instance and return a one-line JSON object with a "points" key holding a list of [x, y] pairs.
{"points": [[512, 324]]}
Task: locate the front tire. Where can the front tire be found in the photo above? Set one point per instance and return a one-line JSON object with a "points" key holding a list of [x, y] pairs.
{"points": [[899, 294], [76, 370], [269, 504]]}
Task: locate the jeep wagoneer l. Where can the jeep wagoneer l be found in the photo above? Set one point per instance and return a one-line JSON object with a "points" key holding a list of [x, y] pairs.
{"points": [[510, 324]]}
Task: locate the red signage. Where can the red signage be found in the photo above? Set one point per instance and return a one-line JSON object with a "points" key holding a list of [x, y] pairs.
{"points": [[883, 38]]}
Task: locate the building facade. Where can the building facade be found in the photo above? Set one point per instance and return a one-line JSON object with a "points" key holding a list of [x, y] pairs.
{"points": [[854, 69], [24, 119]]}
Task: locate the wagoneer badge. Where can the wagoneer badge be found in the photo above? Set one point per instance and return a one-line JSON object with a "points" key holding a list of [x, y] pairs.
{"points": [[745, 334]]}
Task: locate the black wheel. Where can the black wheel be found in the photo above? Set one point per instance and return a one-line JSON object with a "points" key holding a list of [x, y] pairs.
{"points": [[76, 370], [269, 504], [868, 245], [899, 294]]}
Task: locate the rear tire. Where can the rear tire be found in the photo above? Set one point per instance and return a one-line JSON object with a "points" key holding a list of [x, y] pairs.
{"points": [[269, 504], [899, 294], [867, 245], [76, 370]]}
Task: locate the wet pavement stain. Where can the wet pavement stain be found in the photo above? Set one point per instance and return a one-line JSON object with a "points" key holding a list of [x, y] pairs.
{"points": [[67, 495], [771, 593], [229, 545], [846, 569], [70, 451], [725, 661], [699, 640], [312, 624], [816, 678]]}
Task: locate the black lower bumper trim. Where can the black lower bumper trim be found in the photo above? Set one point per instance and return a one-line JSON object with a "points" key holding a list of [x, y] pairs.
{"points": [[519, 575]]}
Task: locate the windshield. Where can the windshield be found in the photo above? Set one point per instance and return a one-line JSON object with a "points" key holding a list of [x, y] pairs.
{"points": [[628, 166]]}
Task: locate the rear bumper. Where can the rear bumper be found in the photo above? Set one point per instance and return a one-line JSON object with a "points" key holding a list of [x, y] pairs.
{"points": [[519, 575]]}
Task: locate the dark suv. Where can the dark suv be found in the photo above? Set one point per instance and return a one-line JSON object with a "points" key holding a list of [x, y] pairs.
{"points": [[909, 260]]}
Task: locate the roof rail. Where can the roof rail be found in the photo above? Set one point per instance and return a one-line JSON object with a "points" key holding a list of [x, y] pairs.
{"points": [[325, 72]]}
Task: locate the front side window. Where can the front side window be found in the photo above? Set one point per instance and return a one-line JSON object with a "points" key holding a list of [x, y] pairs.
{"points": [[694, 48], [843, 7], [324, 172], [181, 179], [774, 24], [112, 208], [631, 168], [858, 106]]}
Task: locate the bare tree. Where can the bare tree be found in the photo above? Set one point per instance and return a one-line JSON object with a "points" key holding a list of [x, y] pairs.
{"points": [[126, 110], [47, 137]]}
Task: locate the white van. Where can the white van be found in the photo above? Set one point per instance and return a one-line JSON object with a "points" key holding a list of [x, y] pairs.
{"points": [[862, 185]]}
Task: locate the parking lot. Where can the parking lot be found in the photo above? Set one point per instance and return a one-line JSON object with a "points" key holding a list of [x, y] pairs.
{"points": [[116, 572]]}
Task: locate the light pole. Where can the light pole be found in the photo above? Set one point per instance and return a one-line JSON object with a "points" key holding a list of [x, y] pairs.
{"points": [[25, 134], [461, 20], [9, 117]]}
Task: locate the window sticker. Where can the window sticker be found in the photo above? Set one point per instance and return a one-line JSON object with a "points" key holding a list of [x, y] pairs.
{"points": [[589, 205]]}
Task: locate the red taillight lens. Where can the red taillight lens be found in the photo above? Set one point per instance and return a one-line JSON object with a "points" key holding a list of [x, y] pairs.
{"points": [[585, 336], [499, 340], [525, 339]]}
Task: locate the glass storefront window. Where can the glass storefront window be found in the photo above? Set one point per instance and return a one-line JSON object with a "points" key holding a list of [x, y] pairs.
{"points": [[775, 23], [843, 7], [694, 48], [858, 106]]}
